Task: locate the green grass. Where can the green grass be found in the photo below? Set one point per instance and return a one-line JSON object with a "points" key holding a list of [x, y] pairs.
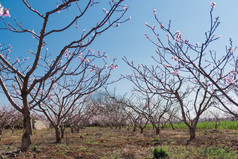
{"points": [[216, 152], [207, 125]]}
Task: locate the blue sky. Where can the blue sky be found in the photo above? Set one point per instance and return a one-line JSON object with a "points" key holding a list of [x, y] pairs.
{"points": [[191, 17]]}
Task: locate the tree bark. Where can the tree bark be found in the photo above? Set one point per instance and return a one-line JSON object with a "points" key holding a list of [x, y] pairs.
{"points": [[57, 134], [1, 133], [141, 130], [27, 135], [172, 125], [62, 131], [134, 129], [192, 133], [72, 129], [157, 130], [12, 128]]}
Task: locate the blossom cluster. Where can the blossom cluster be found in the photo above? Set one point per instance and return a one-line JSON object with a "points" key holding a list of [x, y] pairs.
{"points": [[4, 12]]}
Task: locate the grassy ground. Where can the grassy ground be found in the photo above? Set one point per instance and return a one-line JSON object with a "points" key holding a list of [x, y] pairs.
{"points": [[104, 143]]}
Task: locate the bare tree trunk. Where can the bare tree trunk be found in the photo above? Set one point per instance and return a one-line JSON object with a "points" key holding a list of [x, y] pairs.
{"points": [[26, 138], [172, 125], [77, 129], [192, 133], [57, 134], [62, 128], [216, 126], [12, 128], [157, 130], [72, 129], [141, 130], [134, 129], [1, 129]]}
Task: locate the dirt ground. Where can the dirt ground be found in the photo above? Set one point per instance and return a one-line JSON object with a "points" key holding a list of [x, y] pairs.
{"points": [[104, 143]]}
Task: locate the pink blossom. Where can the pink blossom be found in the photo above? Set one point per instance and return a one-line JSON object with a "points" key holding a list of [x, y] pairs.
{"points": [[125, 7], [161, 26], [106, 66], [4, 12], [225, 80], [219, 36], [154, 11], [58, 6], [197, 44], [231, 80], [80, 58], [174, 58], [168, 66], [86, 60], [213, 4], [106, 12], [178, 34], [168, 37], [129, 18], [153, 28], [176, 40], [107, 56], [92, 51], [146, 24], [231, 50], [98, 53], [112, 67], [175, 72]]}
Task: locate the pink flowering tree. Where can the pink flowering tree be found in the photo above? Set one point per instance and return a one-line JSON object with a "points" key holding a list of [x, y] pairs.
{"points": [[149, 105], [9, 117], [175, 75], [25, 79], [172, 88], [68, 97], [195, 62], [82, 117]]}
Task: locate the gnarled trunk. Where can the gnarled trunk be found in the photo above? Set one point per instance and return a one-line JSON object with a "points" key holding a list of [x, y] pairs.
{"points": [[62, 128], [1, 133], [172, 125], [157, 130], [192, 133], [26, 138], [72, 129], [12, 128], [134, 129], [141, 130], [57, 134]]}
